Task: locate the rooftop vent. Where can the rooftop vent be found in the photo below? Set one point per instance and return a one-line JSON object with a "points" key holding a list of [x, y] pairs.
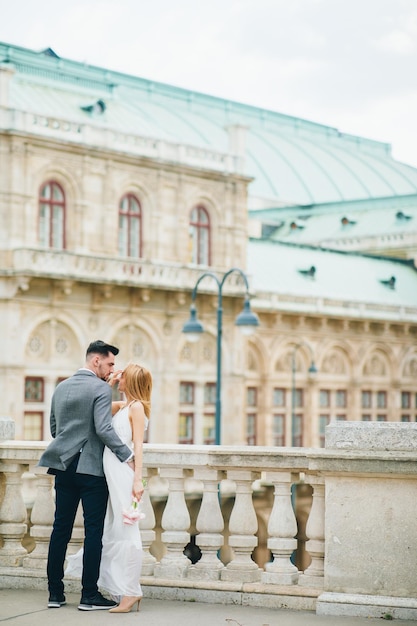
{"points": [[390, 282], [400, 215], [310, 273], [347, 221], [97, 107]]}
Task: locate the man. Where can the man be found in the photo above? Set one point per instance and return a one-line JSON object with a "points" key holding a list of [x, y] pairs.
{"points": [[81, 426]]}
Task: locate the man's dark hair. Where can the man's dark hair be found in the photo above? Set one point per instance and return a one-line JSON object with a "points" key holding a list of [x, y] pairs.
{"points": [[101, 347]]}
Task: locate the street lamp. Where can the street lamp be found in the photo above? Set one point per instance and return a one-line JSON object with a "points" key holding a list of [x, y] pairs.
{"points": [[247, 321], [311, 370]]}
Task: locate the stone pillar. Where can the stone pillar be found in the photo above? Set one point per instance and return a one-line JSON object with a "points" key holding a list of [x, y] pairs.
{"points": [[7, 428], [6, 74], [210, 526], [314, 574], [42, 518], [147, 533], [13, 515], [237, 145], [243, 525], [370, 521], [282, 529], [176, 523]]}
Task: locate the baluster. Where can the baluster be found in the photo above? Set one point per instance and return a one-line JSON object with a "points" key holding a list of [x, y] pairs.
{"points": [[210, 526], [314, 574], [282, 528], [176, 523], [13, 516], [243, 525], [42, 518], [147, 532]]}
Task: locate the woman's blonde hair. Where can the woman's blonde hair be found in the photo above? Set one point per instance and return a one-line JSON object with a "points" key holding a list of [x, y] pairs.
{"points": [[138, 385]]}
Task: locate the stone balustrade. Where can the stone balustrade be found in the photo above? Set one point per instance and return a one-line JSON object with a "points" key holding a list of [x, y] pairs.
{"points": [[225, 524], [88, 134], [70, 266]]}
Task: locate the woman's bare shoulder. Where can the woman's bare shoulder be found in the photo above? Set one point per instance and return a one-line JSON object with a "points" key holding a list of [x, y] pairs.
{"points": [[117, 405]]}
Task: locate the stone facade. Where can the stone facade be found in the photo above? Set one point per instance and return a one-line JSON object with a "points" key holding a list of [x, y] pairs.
{"points": [[55, 300]]}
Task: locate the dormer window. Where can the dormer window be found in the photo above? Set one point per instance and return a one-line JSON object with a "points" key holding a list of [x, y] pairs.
{"points": [[310, 273], [96, 108], [297, 225], [48, 52], [390, 282], [267, 230], [400, 215], [347, 221]]}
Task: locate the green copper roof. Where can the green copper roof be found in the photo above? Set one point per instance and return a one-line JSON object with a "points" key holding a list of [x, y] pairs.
{"points": [[392, 218], [291, 160], [303, 272]]}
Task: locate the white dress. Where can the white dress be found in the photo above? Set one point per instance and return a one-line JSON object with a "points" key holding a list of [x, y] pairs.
{"points": [[121, 559]]}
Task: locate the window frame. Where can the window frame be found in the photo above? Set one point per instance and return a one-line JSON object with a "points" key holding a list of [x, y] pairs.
{"points": [[35, 379], [41, 416], [200, 250], [189, 418], [278, 435], [190, 387], [130, 217], [46, 238]]}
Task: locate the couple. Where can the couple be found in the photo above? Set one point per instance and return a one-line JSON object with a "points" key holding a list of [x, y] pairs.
{"points": [[105, 482]]}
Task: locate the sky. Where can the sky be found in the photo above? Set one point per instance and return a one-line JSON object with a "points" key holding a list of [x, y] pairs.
{"points": [[349, 64]]}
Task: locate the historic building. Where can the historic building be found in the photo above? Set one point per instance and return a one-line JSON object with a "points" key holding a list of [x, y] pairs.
{"points": [[117, 193]]}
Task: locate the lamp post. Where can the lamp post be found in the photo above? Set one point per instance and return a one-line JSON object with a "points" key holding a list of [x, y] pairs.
{"points": [[311, 370], [247, 321]]}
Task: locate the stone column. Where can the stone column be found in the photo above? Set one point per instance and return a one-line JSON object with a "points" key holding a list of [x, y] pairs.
{"points": [[282, 529], [176, 523], [7, 428], [147, 533], [243, 525], [314, 574], [210, 526], [13, 515], [42, 518], [6, 74]]}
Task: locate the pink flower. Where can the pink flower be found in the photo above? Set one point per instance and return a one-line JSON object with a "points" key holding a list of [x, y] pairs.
{"points": [[133, 514]]}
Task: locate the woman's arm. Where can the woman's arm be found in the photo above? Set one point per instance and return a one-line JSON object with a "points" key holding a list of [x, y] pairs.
{"points": [[137, 420], [115, 406]]}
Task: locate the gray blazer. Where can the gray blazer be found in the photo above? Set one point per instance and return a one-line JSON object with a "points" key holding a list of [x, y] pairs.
{"points": [[81, 421]]}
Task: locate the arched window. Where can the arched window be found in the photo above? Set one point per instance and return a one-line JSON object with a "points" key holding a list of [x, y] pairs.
{"points": [[200, 236], [52, 216], [130, 226]]}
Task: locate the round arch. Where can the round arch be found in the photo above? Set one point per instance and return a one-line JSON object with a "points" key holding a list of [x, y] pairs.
{"points": [[137, 340], [54, 340], [377, 361]]}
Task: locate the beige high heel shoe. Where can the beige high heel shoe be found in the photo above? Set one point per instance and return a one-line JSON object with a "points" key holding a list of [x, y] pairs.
{"points": [[126, 604]]}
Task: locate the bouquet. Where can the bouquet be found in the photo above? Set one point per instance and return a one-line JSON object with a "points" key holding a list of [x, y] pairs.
{"points": [[133, 514]]}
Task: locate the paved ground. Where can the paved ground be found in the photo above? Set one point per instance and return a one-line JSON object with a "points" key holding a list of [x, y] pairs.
{"points": [[22, 607]]}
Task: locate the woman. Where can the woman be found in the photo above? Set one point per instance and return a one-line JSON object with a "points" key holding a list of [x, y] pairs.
{"points": [[121, 559]]}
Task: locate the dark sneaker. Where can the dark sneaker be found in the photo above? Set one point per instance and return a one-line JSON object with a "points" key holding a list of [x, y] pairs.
{"points": [[56, 600], [96, 603]]}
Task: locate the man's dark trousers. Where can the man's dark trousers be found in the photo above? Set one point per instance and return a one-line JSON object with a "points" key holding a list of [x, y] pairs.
{"points": [[70, 488]]}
